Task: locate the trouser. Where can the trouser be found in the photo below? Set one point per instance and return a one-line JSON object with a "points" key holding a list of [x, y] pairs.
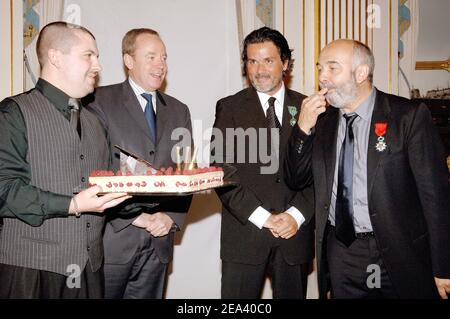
{"points": [[27, 283], [357, 271], [244, 281], [143, 277]]}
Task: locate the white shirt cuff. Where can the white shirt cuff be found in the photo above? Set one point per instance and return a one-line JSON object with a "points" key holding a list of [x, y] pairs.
{"points": [[295, 213], [259, 217]]}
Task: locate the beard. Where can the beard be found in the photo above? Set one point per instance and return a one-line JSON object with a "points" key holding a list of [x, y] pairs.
{"points": [[264, 87], [343, 94]]}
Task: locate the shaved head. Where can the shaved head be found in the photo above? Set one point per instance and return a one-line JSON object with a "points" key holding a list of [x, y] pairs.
{"points": [[68, 56], [59, 36], [357, 51]]}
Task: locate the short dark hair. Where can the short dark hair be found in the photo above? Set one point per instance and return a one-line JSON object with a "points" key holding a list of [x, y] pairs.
{"points": [[57, 35], [266, 34]]}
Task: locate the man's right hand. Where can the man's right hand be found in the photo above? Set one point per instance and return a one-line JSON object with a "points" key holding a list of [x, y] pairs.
{"points": [[271, 224], [312, 107], [158, 224], [88, 201]]}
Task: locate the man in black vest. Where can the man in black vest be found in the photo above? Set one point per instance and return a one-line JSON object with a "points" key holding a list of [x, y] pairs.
{"points": [[51, 241]]}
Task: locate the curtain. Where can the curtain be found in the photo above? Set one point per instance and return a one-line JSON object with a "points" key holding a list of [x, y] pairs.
{"points": [[408, 36], [252, 15], [37, 13]]}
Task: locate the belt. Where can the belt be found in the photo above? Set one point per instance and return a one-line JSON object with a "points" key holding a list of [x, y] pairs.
{"points": [[369, 234], [364, 235]]}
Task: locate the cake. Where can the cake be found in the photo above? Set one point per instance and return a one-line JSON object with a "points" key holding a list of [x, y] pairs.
{"points": [[164, 181]]}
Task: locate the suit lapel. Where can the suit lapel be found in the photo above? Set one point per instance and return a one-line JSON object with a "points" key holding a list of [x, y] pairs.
{"points": [[162, 116], [252, 111], [131, 104], [329, 136], [380, 114], [286, 127]]}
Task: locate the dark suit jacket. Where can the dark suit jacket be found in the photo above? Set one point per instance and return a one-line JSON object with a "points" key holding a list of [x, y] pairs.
{"points": [[241, 241], [407, 191], [123, 118]]}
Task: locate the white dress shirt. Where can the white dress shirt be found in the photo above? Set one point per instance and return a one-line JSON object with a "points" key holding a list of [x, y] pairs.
{"points": [[138, 91], [261, 215]]}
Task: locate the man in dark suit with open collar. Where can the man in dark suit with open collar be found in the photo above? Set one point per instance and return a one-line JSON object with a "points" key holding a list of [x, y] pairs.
{"points": [[266, 228], [385, 233], [139, 247]]}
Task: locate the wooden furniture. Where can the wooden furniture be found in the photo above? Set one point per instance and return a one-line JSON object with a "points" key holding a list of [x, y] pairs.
{"points": [[440, 111]]}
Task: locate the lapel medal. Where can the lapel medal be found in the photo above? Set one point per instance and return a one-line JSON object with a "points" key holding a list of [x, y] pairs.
{"points": [[293, 111], [380, 131]]}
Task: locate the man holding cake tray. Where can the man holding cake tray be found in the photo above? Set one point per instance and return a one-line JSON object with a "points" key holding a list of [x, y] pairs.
{"points": [[51, 240], [141, 119]]}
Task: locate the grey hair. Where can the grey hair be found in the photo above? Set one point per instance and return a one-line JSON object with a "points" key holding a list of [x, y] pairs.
{"points": [[363, 55]]}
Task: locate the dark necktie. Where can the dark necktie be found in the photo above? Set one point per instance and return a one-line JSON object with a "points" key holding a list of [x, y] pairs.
{"points": [[74, 105], [345, 230], [150, 115], [272, 120]]}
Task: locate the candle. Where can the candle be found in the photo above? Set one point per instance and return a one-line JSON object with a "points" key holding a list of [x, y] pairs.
{"points": [[178, 150], [193, 159], [187, 157]]}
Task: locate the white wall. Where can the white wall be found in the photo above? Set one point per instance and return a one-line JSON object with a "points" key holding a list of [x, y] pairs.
{"points": [[433, 44]]}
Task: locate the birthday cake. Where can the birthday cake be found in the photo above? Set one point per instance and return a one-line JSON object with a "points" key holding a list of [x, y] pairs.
{"points": [[163, 181]]}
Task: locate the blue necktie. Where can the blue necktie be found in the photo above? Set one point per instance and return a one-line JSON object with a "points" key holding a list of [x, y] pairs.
{"points": [[345, 230], [150, 115]]}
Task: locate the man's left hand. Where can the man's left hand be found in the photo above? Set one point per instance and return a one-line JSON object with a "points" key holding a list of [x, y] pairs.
{"points": [[443, 286], [286, 226], [160, 224]]}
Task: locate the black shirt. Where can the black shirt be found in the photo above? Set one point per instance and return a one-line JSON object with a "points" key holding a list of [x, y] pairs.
{"points": [[19, 199]]}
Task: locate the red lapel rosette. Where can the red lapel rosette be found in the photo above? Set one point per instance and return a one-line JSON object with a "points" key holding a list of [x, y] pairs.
{"points": [[380, 129]]}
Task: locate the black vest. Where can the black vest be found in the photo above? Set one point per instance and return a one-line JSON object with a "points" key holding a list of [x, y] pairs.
{"points": [[60, 163]]}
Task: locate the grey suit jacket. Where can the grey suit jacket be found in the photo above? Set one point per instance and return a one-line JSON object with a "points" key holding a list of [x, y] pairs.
{"points": [[123, 118]]}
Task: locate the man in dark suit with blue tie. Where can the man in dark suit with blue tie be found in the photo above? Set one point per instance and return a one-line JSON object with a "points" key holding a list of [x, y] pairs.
{"points": [[381, 184], [141, 119]]}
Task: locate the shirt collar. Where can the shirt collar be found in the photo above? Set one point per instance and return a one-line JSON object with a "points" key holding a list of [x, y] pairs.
{"points": [[365, 109], [137, 89], [57, 97], [279, 95]]}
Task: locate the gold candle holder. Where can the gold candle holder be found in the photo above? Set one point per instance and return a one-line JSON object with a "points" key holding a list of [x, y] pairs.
{"points": [[187, 157], [179, 164], [192, 164]]}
